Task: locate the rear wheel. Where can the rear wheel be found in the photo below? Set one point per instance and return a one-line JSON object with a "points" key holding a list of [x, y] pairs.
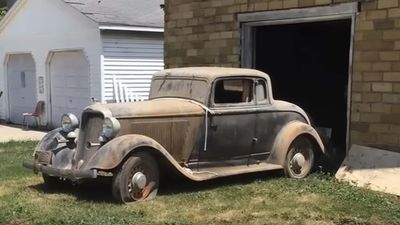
{"points": [[300, 158], [137, 179]]}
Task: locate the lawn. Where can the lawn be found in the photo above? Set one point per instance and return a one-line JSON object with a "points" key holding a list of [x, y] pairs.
{"points": [[263, 198]]}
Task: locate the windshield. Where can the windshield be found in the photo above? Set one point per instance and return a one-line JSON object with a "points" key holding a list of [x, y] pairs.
{"points": [[181, 88]]}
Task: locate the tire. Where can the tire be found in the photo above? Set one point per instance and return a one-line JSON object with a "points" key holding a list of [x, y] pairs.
{"points": [[137, 179], [300, 158]]}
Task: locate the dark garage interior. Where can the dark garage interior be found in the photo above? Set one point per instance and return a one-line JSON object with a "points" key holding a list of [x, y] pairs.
{"points": [[308, 64]]}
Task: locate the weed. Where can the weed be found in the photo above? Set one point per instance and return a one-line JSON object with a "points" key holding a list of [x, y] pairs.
{"points": [[261, 198]]}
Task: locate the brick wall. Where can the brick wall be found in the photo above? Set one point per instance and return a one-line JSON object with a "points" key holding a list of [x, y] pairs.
{"points": [[376, 75], [206, 32]]}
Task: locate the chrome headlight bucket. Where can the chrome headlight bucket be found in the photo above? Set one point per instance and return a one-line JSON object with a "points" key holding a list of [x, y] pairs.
{"points": [[69, 122], [111, 127]]}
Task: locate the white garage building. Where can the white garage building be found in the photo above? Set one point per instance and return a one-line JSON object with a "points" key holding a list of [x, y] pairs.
{"points": [[69, 52]]}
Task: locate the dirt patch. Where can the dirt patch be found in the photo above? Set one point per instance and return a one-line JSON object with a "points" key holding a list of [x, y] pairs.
{"points": [[258, 200], [229, 216], [4, 191], [259, 214], [316, 222], [310, 198]]}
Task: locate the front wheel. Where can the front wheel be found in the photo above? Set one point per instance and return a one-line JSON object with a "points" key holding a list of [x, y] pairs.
{"points": [[300, 158], [137, 180]]}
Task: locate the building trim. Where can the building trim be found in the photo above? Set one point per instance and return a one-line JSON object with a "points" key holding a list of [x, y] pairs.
{"points": [[11, 13], [325, 11], [248, 21], [132, 28]]}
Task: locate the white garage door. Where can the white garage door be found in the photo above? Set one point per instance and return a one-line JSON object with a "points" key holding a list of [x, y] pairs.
{"points": [[21, 82], [69, 74]]}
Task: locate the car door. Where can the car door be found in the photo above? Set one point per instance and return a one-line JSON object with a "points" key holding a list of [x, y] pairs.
{"points": [[267, 123], [231, 125]]}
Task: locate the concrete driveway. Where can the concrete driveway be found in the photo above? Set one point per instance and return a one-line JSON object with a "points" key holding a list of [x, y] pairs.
{"points": [[17, 133]]}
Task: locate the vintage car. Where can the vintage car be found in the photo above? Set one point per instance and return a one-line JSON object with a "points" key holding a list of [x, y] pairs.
{"points": [[202, 123]]}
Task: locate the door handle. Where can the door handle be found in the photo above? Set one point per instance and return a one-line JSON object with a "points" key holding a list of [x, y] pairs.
{"points": [[212, 125], [254, 140]]}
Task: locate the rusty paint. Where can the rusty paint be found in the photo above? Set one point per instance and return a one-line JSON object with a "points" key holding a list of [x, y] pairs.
{"points": [[154, 108], [286, 136], [115, 151], [200, 139]]}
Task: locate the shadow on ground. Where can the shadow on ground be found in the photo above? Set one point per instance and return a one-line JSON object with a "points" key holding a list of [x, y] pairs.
{"points": [[100, 190]]}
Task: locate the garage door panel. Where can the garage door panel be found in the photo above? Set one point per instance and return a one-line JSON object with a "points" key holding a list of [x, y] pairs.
{"points": [[21, 82], [62, 100], [69, 73], [74, 82], [75, 93], [78, 102], [60, 82], [75, 103]]}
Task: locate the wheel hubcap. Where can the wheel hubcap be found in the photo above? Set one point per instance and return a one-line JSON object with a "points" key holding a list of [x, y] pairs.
{"points": [[299, 160], [139, 180]]}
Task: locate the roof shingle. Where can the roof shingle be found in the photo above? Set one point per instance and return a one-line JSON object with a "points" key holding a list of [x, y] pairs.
{"points": [[146, 13]]}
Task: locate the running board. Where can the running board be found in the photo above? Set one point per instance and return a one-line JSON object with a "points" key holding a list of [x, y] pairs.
{"points": [[215, 172]]}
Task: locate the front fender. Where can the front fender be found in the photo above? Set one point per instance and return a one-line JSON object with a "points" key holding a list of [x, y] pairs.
{"points": [[287, 135], [49, 141], [112, 154], [62, 150]]}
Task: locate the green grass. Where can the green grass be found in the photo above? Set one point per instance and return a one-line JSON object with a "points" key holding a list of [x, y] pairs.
{"points": [[263, 198]]}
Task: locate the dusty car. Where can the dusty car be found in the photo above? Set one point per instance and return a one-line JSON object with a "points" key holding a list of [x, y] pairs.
{"points": [[202, 123]]}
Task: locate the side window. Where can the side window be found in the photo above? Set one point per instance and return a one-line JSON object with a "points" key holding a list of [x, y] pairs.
{"points": [[261, 91], [233, 91]]}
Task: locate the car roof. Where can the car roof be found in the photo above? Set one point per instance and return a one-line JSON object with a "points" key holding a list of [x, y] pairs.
{"points": [[210, 73]]}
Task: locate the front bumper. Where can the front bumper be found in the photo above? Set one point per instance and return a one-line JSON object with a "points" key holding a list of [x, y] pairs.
{"points": [[71, 174]]}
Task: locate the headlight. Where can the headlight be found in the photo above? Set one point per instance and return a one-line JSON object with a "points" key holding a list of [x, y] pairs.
{"points": [[69, 122], [110, 127]]}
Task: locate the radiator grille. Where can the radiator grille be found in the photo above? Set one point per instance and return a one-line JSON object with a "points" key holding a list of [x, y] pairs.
{"points": [[91, 127]]}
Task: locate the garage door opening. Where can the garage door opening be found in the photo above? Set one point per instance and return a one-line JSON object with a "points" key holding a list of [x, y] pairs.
{"points": [[309, 66], [69, 80], [21, 85]]}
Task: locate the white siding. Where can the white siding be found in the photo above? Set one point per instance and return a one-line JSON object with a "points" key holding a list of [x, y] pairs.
{"points": [[132, 59], [43, 26]]}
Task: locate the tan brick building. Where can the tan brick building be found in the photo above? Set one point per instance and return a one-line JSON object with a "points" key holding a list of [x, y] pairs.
{"points": [[338, 59]]}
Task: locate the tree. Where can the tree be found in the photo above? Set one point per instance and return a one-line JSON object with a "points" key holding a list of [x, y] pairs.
{"points": [[3, 8], [3, 12]]}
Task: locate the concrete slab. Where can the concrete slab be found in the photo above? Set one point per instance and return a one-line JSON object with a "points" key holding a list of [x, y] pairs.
{"points": [[371, 168], [17, 133]]}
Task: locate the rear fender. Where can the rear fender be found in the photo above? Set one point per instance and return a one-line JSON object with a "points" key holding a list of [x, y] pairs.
{"points": [[112, 154], [287, 135]]}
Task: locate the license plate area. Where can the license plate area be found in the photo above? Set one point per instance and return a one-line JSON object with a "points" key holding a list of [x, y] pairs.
{"points": [[43, 157]]}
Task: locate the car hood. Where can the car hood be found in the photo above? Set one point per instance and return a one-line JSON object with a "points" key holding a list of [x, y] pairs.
{"points": [[160, 107]]}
